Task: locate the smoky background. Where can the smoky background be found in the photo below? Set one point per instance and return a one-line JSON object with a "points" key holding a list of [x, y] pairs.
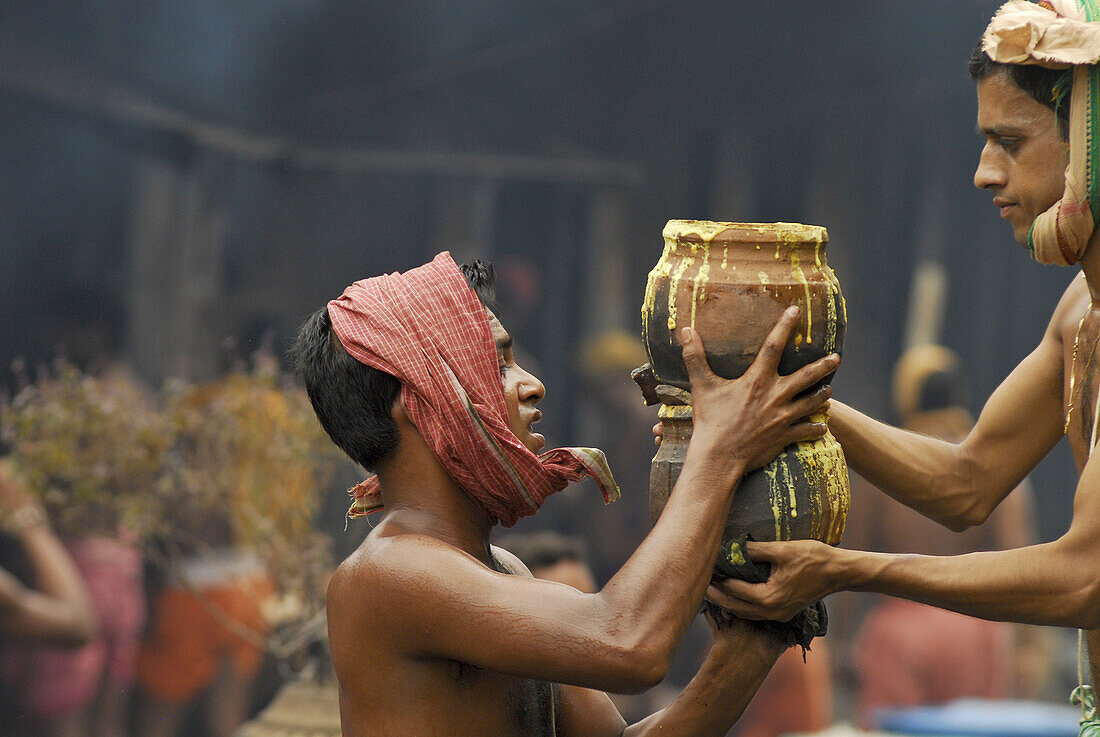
{"points": [[184, 182]]}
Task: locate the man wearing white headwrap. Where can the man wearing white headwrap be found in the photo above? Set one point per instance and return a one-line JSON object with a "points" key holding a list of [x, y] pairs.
{"points": [[1060, 34], [1041, 169]]}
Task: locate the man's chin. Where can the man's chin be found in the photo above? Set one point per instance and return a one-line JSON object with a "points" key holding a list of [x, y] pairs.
{"points": [[1020, 235]]}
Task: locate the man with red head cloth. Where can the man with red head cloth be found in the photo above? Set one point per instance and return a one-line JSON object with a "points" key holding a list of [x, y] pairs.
{"points": [[1042, 166], [433, 631]]}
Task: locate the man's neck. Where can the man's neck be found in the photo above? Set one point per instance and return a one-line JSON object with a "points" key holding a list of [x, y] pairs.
{"points": [[1090, 267], [420, 497]]}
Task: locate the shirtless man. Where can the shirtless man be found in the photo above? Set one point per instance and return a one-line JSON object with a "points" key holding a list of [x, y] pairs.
{"points": [[1053, 392], [435, 632]]}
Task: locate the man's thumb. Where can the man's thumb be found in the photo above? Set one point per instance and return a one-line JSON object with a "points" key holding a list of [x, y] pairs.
{"points": [[695, 357]]}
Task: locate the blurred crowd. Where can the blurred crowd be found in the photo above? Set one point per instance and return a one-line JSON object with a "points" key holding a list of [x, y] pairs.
{"points": [[159, 549], [163, 557]]}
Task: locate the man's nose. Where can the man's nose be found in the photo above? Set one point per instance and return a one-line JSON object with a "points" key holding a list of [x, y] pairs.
{"points": [[530, 388], [989, 174]]}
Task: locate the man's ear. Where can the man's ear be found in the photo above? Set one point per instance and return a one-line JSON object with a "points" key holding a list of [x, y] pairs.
{"points": [[399, 411]]}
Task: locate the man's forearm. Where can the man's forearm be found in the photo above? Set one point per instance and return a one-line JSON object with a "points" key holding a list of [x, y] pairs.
{"points": [[739, 659], [1050, 584], [930, 475], [664, 580]]}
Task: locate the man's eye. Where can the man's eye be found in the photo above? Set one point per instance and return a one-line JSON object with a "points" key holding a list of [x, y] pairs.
{"points": [[503, 368], [1011, 145]]}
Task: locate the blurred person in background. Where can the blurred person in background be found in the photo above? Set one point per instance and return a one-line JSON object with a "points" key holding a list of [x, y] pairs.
{"points": [[207, 633], [553, 557], [204, 645], [205, 640], [613, 416], [86, 691], [53, 609]]}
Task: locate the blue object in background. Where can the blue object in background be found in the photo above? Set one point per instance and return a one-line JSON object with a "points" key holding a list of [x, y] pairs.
{"points": [[982, 718]]}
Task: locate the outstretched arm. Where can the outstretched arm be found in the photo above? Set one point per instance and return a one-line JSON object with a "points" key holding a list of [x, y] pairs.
{"points": [[739, 659], [1055, 583], [959, 485], [58, 611]]}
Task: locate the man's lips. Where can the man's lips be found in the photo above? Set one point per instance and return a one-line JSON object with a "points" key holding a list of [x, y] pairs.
{"points": [[536, 416], [1004, 205]]}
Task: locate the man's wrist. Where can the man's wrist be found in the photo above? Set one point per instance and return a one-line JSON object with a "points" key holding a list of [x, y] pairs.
{"points": [[741, 641], [708, 454], [849, 570]]}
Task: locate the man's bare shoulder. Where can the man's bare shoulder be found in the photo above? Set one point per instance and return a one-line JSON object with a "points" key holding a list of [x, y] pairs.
{"points": [[1075, 300], [396, 559]]}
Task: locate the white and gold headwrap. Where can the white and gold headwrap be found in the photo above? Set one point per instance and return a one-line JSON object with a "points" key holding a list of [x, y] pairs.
{"points": [[1059, 34]]}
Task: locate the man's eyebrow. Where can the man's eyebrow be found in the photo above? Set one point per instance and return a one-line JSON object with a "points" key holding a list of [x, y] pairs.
{"points": [[997, 131], [504, 343]]}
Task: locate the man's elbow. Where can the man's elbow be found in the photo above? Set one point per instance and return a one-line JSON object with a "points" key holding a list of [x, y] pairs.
{"points": [[1084, 610], [971, 513], [962, 522], [642, 671], [634, 667], [965, 489]]}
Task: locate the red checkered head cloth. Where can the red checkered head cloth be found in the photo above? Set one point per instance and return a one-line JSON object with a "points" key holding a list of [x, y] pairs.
{"points": [[427, 328]]}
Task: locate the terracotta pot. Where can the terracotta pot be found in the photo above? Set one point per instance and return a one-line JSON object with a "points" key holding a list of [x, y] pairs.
{"points": [[802, 494], [731, 282]]}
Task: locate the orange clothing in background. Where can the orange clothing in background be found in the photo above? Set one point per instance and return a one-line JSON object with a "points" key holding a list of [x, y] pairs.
{"points": [[187, 641]]}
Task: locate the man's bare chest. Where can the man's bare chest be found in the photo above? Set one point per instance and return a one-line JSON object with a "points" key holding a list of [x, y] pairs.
{"points": [[442, 696], [525, 705], [1082, 385]]}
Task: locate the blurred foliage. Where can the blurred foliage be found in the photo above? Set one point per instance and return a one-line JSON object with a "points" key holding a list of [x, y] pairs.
{"points": [[93, 449], [240, 462], [247, 468]]}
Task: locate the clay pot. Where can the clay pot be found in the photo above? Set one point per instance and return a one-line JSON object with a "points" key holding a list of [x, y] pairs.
{"points": [[731, 282], [803, 494]]}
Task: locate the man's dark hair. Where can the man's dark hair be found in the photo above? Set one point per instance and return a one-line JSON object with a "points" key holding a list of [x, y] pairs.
{"points": [[1040, 83], [354, 401]]}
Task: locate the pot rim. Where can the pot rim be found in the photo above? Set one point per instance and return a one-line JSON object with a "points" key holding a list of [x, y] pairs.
{"points": [[709, 231]]}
